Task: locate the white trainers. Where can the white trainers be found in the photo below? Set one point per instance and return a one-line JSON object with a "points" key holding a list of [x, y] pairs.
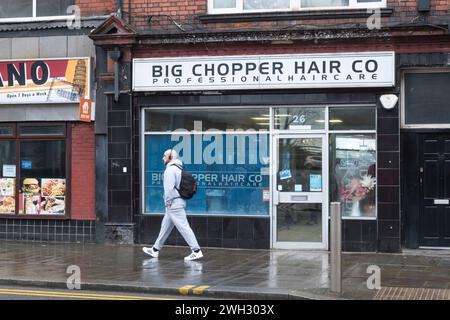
{"points": [[151, 252], [194, 256]]}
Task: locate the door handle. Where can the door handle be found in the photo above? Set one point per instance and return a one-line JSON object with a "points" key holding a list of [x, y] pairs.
{"points": [[441, 201]]}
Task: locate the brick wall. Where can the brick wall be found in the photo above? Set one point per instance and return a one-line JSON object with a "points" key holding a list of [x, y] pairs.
{"points": [[83, 172], [187, 12], [227, 49], [96, 7]]}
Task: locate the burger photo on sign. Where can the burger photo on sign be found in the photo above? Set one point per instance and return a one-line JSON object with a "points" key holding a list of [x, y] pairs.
{"points": [[30, 185]]}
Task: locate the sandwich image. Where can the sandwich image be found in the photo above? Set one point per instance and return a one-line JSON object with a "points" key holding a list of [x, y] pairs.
{"points": [[53, 205], [30, 185]]}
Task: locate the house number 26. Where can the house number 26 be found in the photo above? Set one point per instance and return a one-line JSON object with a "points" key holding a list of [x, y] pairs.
{"points": [[299, 119]]}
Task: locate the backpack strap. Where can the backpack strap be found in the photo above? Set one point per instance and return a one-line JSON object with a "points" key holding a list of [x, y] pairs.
{"points": [[178, 166], [181, 168]]}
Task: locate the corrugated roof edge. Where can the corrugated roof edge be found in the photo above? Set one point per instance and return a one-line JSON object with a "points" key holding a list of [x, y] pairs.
{"points": [[86, 22]]}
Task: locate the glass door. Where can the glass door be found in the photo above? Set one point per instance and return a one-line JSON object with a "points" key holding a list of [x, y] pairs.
{"points": [[300, 192]]}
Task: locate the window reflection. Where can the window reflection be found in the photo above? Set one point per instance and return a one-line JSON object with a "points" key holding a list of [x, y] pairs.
{"points": [[300, 165]]}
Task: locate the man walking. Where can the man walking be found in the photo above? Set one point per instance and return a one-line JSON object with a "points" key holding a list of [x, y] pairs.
{"points": [[175, 210]]}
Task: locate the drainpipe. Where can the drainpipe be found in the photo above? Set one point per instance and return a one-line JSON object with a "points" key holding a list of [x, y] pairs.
{"points": [[119, 5], [115, 56]]}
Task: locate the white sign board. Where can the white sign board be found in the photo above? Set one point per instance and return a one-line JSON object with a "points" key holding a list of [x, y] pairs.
{"points": [[368, 69], [9, 171]]}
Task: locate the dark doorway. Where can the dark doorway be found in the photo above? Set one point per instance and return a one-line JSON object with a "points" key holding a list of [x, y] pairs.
{"points": [[434, 178]]}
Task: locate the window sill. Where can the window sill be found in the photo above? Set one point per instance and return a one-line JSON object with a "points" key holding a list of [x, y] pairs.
{"points": [[290, 15], [36, 19]]}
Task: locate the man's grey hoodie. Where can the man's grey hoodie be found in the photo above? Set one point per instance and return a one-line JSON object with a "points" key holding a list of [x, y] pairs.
{"points": [[172, 179]]}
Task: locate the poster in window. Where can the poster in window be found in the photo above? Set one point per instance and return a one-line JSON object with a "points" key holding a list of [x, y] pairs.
{"points": [[7, 186], [315, 182], [30, 198], [32, 203], [7, 199], [53, 196], [53, 205], [53, 187], [7, 204]]}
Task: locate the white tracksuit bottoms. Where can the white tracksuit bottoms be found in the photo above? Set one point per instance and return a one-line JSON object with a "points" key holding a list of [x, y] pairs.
{"points": [[176, 217]]}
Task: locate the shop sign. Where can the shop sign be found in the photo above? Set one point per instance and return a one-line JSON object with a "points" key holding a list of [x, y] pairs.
{"points": [[85, 110], [44, 81], [26, 164], [368, 69]]}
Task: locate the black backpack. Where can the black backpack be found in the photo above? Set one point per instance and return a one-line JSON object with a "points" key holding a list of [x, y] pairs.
{"points": [[188, 185]]}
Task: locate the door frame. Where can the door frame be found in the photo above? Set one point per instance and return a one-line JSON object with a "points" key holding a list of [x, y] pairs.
{"points": [[323, 245]]}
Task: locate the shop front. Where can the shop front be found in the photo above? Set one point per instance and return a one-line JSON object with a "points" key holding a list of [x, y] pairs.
{"points": [[272, 141], [46, 153]]}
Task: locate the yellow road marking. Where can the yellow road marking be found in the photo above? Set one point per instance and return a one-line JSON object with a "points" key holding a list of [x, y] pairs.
{"points": [[78, 295], [185, 290], [199, 290]]}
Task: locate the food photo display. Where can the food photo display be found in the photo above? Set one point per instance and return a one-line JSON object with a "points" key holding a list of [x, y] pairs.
{"points": [[47, 197]]}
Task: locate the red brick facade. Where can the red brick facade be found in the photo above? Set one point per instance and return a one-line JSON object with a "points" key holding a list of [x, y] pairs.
{"points": [[83, 172], [96, 7], [137, 13]]}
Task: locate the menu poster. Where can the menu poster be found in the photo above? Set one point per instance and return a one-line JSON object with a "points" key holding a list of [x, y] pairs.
{"points": [[31, 203], [53, 196], [315, 182], [7, 205], [7, 186], [7, 200], [30, 199]]}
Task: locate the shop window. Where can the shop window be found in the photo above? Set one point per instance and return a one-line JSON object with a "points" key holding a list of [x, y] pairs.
{"points": [[16, 9], [353, 174], [207, 119], [43, 130], [426, 100], [8, 177], [35, 182], [52, 7], [6, 131], [352, 118], [299, 118], [231, 168], [238, 6]]}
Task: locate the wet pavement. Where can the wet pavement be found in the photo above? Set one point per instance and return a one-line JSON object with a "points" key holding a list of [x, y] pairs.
{"points": [[222, 273]]}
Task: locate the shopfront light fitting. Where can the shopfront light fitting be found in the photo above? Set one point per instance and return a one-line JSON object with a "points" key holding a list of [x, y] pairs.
{"points": [[388, 101]]}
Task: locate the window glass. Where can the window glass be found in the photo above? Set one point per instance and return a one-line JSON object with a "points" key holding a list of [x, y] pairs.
{"points": [[266, 4], [352, 118], [7, 177], [299, 118], [6, 131], [207, 119], [53, 7], [299, 222], [223, 4], [232, 172], [42, 130], [299, 165], [324, 3], [43, 177], [427, 98], [16, 8], [353, 173]]}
